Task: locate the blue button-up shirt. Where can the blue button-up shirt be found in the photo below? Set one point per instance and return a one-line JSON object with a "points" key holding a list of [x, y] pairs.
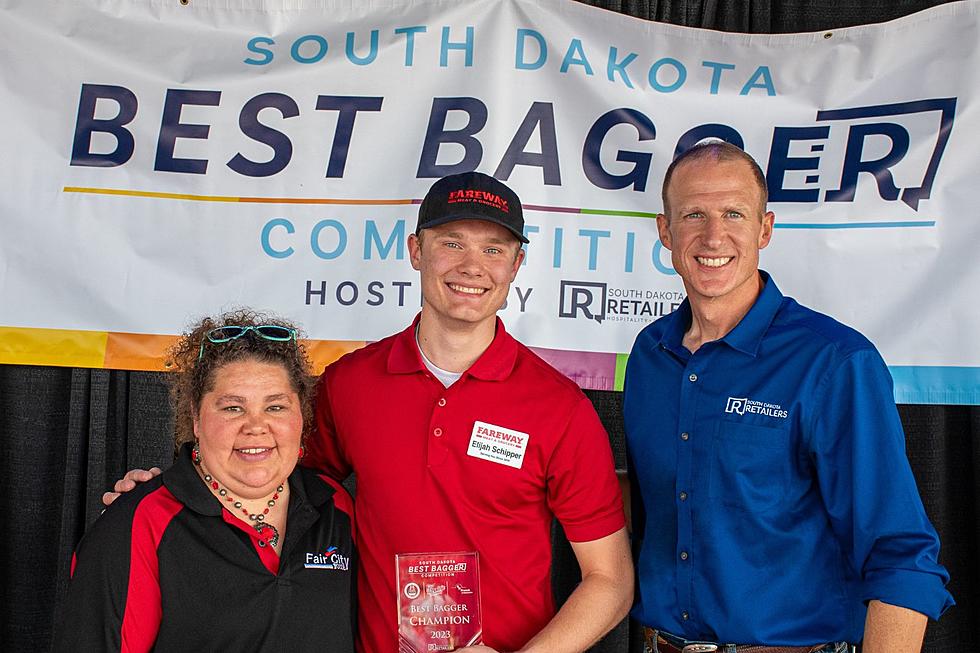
{"points": [[771, 493]]}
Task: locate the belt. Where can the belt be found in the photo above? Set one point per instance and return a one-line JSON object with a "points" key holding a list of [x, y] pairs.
{"points": [[663, 645]]}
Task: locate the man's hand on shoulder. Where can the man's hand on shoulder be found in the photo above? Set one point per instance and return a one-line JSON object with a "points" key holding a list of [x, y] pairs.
{"points": [[129, 482]]}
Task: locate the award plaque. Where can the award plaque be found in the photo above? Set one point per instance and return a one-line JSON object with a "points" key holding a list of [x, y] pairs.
{"points": [[438, 601]]}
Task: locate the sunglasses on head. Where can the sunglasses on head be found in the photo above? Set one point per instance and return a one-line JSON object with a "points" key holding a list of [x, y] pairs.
{"points": [[232, 332]]}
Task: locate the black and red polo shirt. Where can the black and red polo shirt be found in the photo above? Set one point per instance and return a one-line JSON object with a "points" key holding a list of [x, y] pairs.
{"points": [[166, 568]]}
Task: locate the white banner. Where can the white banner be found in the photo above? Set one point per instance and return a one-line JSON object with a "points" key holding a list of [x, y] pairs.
{"points": [[165, 161]]}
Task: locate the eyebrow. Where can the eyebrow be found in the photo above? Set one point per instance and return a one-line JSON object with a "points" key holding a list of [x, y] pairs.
{"points": [[222, 398], [458, 235], [699, 208], [232, 398]]}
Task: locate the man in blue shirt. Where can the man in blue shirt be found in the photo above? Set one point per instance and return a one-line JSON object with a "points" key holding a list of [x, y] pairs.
{"points": [[773, 505]]}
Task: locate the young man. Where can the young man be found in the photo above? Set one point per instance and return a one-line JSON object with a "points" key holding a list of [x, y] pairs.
{"points": [[408, 415], [773, 505]]}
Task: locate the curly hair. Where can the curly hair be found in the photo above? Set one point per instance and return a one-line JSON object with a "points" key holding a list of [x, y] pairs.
{"points": [[194, 368]]}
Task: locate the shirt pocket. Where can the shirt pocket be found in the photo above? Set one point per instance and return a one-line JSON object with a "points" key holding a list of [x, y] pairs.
{"points": [[750, 466]]}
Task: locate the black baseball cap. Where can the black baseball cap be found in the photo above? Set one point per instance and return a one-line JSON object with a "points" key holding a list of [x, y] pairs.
{"points": [[472, 196]]}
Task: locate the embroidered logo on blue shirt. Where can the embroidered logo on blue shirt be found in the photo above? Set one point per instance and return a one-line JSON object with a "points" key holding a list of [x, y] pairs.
{"points": [[742, 405], [329, 559]]}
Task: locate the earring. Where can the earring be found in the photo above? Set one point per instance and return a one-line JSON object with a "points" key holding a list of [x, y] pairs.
{"points": [[196, 452], [302, 452]]}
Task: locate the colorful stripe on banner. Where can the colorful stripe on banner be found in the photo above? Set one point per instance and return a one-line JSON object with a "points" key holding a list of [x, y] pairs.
{"points": [[121, 351], [949, 386], [856, 225], [403, 202], [57, 347], [942, 385], [590, 370], [327, 200], [230, 198]]}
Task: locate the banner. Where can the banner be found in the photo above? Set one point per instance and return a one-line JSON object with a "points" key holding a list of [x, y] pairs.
{"points": [[163, 161]]}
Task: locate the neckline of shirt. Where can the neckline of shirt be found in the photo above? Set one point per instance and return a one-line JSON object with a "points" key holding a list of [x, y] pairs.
{"points": [[445, 377]]}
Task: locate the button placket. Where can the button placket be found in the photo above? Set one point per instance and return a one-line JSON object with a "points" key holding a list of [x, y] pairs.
{"points": [[687, 430], [438, 432]]}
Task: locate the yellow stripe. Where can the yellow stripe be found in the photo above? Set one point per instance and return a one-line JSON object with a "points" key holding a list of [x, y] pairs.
{"points": [[60, 347], [146, 193], [226, 198]]}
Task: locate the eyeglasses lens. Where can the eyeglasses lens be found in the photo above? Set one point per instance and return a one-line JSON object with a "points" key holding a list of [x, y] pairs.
{"points": [[272, 332], [225, 333]]}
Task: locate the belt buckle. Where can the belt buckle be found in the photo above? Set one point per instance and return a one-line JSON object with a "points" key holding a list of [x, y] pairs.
{"points": [[699, 648]]}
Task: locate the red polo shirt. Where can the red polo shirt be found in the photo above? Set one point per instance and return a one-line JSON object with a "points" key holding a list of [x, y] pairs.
{"points": [[384, 416]]}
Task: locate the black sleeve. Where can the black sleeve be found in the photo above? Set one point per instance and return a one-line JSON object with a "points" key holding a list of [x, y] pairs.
{"points": [[95, 614]]}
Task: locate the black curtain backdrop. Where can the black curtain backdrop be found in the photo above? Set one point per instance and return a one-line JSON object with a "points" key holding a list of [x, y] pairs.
{"points": [[68, 434]]}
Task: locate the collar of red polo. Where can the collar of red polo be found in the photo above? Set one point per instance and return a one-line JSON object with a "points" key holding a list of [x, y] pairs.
{"points": [[495, 364]]}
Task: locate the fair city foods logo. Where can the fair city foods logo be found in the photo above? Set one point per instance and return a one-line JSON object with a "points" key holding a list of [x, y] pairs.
{"points": [[329, 559]]}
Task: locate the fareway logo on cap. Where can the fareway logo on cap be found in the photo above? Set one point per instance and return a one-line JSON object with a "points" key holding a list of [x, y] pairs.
{"points": [[329, 559], [497, 444], [481, 196]]}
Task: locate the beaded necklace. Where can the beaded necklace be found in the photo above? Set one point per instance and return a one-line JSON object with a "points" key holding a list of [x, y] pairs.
{"points": [[255, 519]]}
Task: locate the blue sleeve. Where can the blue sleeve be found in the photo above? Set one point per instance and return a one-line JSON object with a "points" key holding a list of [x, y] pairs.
{"points": [[858, 447]]}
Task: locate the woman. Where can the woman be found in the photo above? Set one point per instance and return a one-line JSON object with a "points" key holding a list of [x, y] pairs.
{"points": [[234, 548]]}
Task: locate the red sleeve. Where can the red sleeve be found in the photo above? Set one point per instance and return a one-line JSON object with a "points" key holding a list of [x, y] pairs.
{"points": [[583, 491], [113, 601], [323, 448]]}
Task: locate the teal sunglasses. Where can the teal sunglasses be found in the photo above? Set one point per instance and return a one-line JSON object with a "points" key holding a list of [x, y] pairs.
{"points": [[233, 332]]}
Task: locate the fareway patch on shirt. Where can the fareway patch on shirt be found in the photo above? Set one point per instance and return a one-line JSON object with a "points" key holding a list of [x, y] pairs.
{"points": [[497, 444]]}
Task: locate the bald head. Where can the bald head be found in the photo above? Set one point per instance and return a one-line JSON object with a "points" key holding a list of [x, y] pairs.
{"points": [[716, 152]]}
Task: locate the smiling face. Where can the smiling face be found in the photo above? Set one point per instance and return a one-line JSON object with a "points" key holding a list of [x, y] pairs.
{"points": [[249, 426], [467, 267], [714, 227]]}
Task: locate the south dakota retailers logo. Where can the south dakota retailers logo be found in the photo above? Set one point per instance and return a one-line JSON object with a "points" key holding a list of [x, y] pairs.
{"points": [[741, 405], [329, 559]]}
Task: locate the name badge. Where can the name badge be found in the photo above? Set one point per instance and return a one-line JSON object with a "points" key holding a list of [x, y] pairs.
{"points": [[497, 444]]}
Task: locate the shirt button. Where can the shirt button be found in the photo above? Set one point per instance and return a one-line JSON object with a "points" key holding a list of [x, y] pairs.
{"points": [[693, 377], [683, 555], [683, 496], [684, 436], [442, 401], [437, 432], [685, 616], [262, 543]]}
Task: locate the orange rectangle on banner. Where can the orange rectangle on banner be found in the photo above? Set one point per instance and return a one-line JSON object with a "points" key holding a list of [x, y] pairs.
{"points": [[137, 351], [324, 352]]}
